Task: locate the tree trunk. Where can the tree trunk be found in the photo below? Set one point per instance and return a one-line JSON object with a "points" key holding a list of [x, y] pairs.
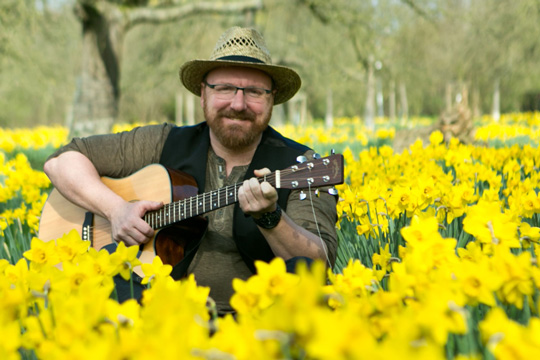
{"points": [[329, 118], [448, 97], [392, 101], [380, 99], [104, 25], [190, 108], [179, 109], [496, 110], [475, 103], [96, 103], [403, 102], [369, 110]]}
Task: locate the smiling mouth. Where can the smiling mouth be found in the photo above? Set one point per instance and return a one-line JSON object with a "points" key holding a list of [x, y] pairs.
{"points": [[233, 119]]}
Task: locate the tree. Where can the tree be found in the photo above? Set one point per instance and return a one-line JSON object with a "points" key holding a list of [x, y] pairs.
{"points": [[37, 54], [104, 26]]}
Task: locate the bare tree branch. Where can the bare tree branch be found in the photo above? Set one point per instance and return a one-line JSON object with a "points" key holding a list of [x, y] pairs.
{"points": [[149, 15], [417, 9]]}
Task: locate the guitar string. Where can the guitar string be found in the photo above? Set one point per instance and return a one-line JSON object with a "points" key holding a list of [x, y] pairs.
{"points": [[161, 214], [207, 198], [318, 229]]}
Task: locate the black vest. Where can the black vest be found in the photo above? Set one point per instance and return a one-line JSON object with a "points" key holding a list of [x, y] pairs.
{"points": [[186, 149]]}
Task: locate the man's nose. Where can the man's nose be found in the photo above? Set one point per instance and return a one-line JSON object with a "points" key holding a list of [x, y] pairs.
{"points": [[238, 102]]}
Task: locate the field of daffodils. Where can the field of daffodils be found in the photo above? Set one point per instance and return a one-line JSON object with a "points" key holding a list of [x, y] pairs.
{"points": [[438, 259]]}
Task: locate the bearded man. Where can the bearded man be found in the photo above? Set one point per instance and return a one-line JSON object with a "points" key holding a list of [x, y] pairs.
{"points": [[238, 87]]}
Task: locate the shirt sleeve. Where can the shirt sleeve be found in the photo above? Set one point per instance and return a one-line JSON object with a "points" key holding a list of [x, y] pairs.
{"points": [[119, 155], [317, 214]]}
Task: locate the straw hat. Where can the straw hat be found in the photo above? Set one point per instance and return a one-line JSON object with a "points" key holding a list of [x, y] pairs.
{"points": [[241, 47]]}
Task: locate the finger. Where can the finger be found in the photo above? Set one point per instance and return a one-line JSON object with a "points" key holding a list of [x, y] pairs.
{"points": [[255, 188], [128, 224], [268, 191], [245, 196], [262, 172], [131, 235]]}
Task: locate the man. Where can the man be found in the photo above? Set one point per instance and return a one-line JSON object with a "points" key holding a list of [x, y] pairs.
{"points": [[238, 87]]}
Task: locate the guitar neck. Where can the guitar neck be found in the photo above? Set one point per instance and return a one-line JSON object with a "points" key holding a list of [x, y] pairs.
{"points": [[197, 205], [314, 173]]}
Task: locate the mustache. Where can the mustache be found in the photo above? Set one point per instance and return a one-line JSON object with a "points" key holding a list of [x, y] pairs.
{"points": [[240, 115]]}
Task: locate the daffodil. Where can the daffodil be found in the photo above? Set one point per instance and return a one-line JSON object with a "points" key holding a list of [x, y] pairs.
{"points": [[478, 281], [42, 253], [528, 234], [489, 225], [125, 259], [514, 272], [382, 260], [155, 270], [71, 245]]}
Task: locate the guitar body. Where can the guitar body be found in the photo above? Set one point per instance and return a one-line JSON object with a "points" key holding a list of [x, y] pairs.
{"points": [[153, 182]]}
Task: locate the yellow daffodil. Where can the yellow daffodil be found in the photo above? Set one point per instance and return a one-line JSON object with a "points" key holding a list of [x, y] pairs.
{"points": [[489, 225], [155, 270], [42, 253], [514, 272], [71, 245], [125, 259]]}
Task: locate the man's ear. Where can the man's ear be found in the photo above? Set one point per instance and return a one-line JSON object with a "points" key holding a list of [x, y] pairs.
{"points": [[202, 100]]}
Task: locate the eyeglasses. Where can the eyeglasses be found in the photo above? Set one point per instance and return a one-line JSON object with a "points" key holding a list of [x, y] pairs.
{"points": [[228, 92]]}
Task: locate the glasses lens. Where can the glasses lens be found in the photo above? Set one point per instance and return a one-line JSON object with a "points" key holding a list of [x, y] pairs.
{"points": [[227, 92], [255, 93]]}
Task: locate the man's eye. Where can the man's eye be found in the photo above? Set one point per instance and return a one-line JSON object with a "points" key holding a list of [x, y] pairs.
{"points": [[224, 89], [255, 92]]}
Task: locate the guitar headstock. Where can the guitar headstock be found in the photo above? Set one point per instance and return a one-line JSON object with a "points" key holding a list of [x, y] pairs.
{"points": [[312, 173]]}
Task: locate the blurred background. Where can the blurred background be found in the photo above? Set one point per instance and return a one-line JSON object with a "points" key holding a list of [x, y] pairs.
{"points": [[107, 61]]}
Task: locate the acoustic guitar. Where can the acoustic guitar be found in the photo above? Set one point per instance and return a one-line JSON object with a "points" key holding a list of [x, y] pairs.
{"points": [[179, 221]]}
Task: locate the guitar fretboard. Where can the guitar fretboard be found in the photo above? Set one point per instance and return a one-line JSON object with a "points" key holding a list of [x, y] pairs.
{"points": [[197, 205], [313, 173]]}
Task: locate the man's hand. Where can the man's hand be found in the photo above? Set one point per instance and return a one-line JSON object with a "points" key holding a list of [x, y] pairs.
{"points": [[127, 222], [257, 198]]}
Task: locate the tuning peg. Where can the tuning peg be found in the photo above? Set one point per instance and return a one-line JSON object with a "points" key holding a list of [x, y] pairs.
{"points": [[332, 191], [301, 159], [303, 195], [317, 192], [316, 156], [332, 151]]}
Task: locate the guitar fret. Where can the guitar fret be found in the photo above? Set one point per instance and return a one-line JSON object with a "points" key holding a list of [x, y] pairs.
{"points": [[202, 202], [214, 204]]}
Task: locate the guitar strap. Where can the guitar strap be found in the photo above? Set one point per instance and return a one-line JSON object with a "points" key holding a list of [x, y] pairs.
{"points": [[186, 149]]}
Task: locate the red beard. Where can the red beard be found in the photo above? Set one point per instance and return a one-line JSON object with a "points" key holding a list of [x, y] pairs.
{"points": [[236, 137]]}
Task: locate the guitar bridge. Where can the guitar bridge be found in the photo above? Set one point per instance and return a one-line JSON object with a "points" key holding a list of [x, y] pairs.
{"points": [[86, 233]]}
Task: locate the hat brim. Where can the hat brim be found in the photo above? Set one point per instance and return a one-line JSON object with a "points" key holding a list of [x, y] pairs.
{"points": [[286, 81]]}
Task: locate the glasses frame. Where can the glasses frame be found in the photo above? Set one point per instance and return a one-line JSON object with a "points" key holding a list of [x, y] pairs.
{"points": [[266, 91]]}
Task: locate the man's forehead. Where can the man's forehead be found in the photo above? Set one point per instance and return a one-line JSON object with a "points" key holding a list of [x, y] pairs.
{"points": [[237, 72]]}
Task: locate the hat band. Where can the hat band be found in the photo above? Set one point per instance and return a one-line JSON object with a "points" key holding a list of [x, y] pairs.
{"points": [[241, 58]]}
